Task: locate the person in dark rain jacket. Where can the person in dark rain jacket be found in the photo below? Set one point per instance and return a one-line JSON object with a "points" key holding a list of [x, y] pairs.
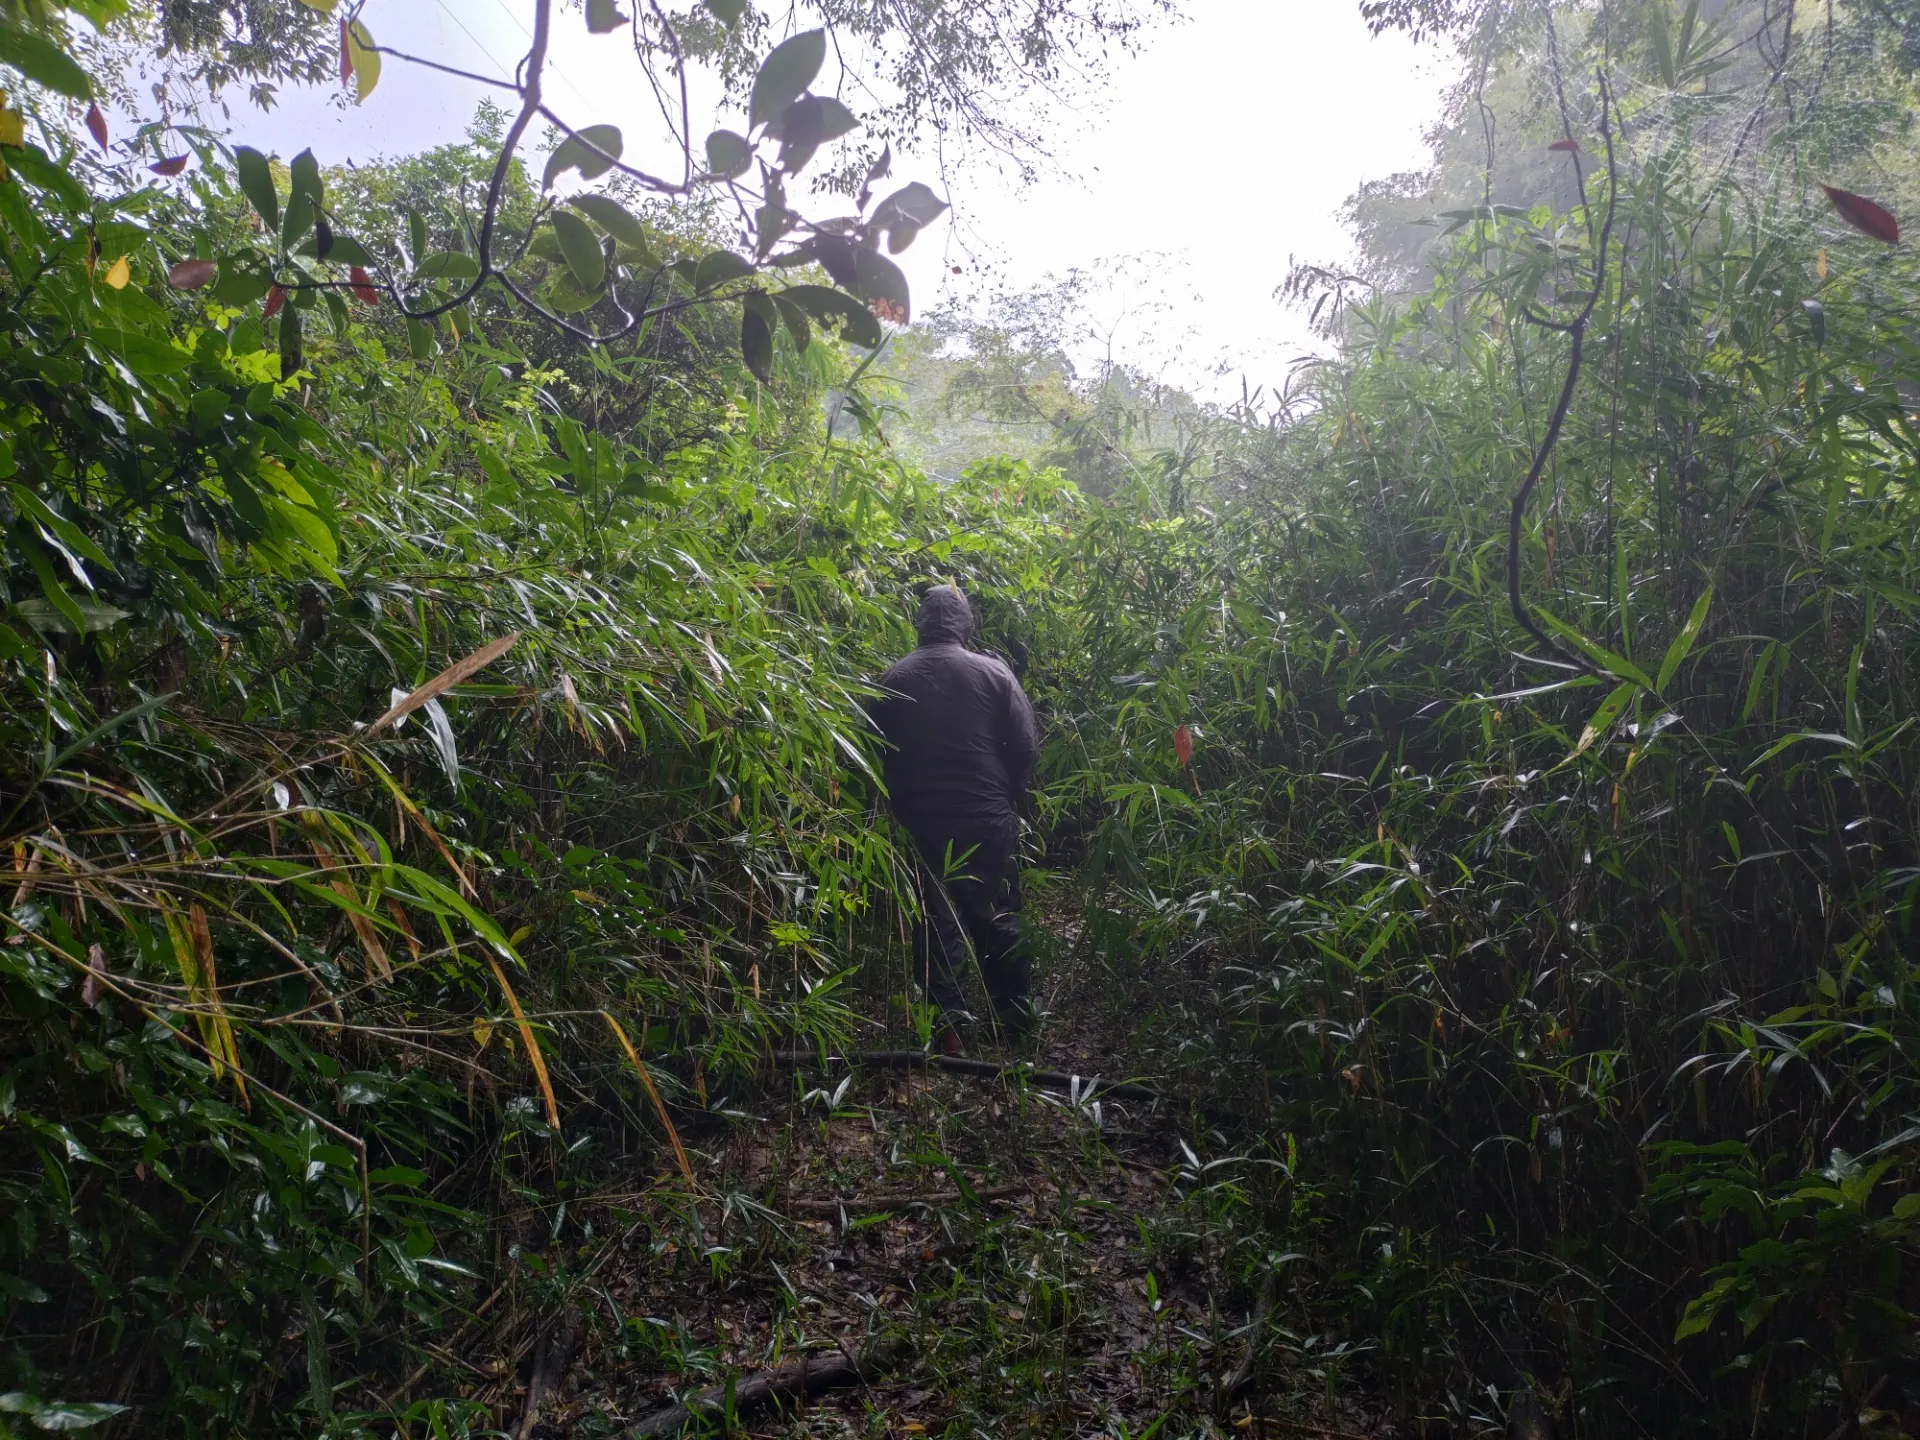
{"points": [[961, 751]]}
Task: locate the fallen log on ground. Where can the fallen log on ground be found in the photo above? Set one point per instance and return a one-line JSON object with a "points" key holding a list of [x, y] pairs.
{"points": [[1081, 1087], [797, 1381]]}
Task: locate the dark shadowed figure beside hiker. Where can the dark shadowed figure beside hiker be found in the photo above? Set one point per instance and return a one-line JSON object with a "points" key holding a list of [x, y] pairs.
{"points": [[961, 751]]}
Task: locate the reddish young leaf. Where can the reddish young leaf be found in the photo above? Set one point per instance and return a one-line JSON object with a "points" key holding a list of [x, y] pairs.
{"points": [[346, 56], [363, 288], [276, 297], [1566, 147], [97, 126], [192, 274], [1864, 215], [172, 165], [1183, 745]]}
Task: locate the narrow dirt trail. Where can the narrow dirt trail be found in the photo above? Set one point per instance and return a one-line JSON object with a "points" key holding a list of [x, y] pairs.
{"points": [[1031, 1264]]}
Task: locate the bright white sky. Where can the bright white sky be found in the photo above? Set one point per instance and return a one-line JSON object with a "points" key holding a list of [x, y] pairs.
{"points": [[1223, 149]]}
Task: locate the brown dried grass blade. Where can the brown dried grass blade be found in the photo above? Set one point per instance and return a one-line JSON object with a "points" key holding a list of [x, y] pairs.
{"points": [[646, 1083], [193, 952], [379, 966], [532, 1044], [447, 679]]}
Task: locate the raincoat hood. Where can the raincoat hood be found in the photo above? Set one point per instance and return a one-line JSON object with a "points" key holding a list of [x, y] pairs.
{"points": [[946, 618]]}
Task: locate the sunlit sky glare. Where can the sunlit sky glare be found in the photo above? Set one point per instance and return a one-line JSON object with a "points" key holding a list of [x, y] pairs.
{"points": [[1220, 150]]}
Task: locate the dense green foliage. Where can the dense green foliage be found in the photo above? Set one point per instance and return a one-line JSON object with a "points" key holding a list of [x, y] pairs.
{"points": [[1585, 1006], [253, 953], [1544, 1040]]}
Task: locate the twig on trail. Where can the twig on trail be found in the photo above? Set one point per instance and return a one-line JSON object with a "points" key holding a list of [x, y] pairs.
{"points": [[1232, 1387], [550, 1362], [1085, 1087], [790, 1382], [880, 1204]]}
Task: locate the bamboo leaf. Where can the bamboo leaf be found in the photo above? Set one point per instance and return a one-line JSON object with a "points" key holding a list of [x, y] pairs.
{"points": [[1683, 642]]}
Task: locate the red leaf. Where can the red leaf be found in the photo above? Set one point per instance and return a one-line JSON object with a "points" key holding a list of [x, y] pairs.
{"points": [[1566, 147], [363, 290], [1864, 215], [276, 297], [172, 165], [346, 57], [97, 126], [192, 274], [1183, 745]]}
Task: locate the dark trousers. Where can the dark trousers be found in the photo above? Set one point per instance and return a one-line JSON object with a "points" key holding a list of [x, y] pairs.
{"points": [[970, 893]]}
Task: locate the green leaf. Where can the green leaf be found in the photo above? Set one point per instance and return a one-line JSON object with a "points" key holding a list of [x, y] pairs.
{"points": [[603, 16], [299, 219], [810, 122], [796, 322], [1662, 44], [1603, 718], [398, 1175], [420, 339], [1683, 642], [417, 233], [591, 151], [364, 59], [718, 268], [785, 74], [306, 178], [447, 265], [882, 284], [614, 218], [345, 250], [858, 324], [566, 296], [728, 155], [77, 616], [148, 356], [43, 62], [291, 355], [756, 337], [902, 215], [581, 247], [58, 1414], [255, 174], [1617, 666]]}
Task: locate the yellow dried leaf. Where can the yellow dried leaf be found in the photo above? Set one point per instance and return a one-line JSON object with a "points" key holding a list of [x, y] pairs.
{"points": [[659, 1106], [1820, 264], [119, 273], [13, 128], [533, 1045]]}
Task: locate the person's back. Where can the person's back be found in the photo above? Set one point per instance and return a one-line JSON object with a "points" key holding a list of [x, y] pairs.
{"points": [[959, 724], [962, 747]]}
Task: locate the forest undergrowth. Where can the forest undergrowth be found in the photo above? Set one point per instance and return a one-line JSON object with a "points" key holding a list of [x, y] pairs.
{"points": [[448, 874]]}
